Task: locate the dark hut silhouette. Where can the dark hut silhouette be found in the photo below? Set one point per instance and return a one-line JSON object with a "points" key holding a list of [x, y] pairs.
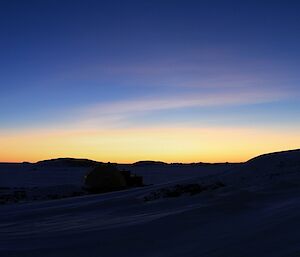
{"points": [[107, 177]]}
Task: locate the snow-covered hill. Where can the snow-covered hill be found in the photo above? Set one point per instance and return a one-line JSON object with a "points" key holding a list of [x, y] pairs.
{"points": [[281, 168], [255, 213]]}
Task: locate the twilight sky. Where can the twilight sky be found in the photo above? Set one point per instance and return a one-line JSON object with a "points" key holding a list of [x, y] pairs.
{"points": [[177, 81]]}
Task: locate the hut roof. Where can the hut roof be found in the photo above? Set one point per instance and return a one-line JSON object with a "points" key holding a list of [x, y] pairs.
{"points": [[105, 177]]}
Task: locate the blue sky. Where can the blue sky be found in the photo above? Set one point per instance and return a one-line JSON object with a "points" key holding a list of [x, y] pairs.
{"points": [[132, 64]]}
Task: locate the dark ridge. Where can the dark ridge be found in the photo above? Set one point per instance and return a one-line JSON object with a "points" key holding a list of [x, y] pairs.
{"points": [[148, 163], [159, 163], [70, 162], [204, 163]]}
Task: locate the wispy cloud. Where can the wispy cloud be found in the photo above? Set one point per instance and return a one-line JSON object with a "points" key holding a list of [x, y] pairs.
{"points": [[119, 111], [212, 67]]}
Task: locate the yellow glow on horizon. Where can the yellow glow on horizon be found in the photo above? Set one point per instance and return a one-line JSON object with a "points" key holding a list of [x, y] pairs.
{"points": [[130, 145]]}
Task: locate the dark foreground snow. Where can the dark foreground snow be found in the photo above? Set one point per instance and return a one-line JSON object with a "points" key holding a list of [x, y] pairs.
{"points": [[256, 213]]}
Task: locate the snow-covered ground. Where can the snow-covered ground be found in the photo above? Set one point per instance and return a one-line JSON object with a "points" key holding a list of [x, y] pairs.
{"points": [[62, 178], [255, 213]]}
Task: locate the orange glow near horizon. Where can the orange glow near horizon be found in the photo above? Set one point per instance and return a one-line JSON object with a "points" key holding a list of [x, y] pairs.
{"points": [[130, 145]]}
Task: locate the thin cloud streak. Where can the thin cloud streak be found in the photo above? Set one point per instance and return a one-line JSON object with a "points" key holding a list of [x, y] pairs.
{"points": [[121, 110], [121, 114]]}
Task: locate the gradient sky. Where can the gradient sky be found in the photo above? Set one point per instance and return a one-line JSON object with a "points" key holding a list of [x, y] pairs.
{"points": [[178, 81]]}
